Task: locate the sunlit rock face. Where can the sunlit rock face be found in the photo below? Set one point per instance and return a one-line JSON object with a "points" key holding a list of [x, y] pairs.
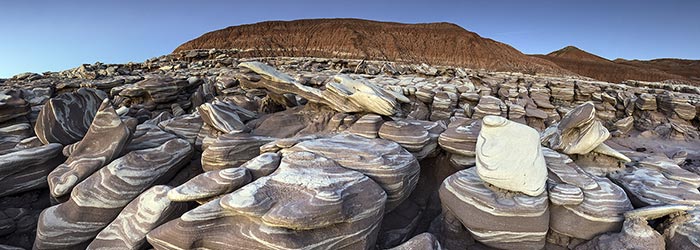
{"points": [[521, 168]]}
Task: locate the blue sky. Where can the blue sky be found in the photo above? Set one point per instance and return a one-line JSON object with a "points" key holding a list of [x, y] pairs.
{"points": [[41, 36]]}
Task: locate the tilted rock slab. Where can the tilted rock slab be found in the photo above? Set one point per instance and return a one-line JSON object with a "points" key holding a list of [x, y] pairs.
{"points": [[223, 116], [104, 141], [97, 200], [385, 162], [148, 211], [509, 156], [344, 94], [578, 132], [211, 184], [496, 218], [582, 205], [648, 186], [12, 105], [461, 136], [27, 169], [66, 118], [309, 202], [232, 150]]}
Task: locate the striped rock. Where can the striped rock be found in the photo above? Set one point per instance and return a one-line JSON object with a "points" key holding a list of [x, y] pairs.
{"points": [[223, 116], [309, 201], [186, 127], [577, 133], [27, 169], [385, 162], [650, 187], [344, 94], [646, 102], [594, 204], [565, 194], [148, 136], [98, 200], [635, 234], [367, 126], [12, 105], [210, 184], [460, 137], [488, 105], [509, 156], [665, 166], [412, 137], [232, 150], [493, 217], [262, 165], [146, 212], [66, 118], [434, 130], [562, 90], [443, 104], [13, 134], [156, 89], [104, 141], [424, 241], [683, 231]]}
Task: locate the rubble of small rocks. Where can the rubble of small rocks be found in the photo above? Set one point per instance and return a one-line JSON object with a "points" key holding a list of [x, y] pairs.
{"points": [[205, 150]]}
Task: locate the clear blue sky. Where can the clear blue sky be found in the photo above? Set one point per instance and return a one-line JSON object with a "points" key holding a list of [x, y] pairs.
{"points": [[41, 36]]}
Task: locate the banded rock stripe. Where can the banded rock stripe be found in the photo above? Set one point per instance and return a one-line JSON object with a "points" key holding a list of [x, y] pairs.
{"points": [[104, 141], [146, 212], [494, 217], [310, 202], [98, 200], [66, 118], [27, 169]]}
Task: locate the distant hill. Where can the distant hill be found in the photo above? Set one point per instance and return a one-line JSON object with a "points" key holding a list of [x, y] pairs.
{"points": [[681, 67], [590, 65], [433, 43]]}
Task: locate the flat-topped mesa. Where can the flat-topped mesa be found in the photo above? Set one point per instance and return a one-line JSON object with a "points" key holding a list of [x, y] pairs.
{"points": [[509, 156], [345, 94]]}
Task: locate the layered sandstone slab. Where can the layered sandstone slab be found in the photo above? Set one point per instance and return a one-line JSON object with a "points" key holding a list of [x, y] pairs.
{"points": [[98, 200], [344, 94], [27, 169], [594, 204], [66, 118], [104, 141], [146, 212], [309, 201], [495, 217]]}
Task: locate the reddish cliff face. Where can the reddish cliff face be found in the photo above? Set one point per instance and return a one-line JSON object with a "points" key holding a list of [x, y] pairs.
{"points": [[590, 65], [433, 43]]}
